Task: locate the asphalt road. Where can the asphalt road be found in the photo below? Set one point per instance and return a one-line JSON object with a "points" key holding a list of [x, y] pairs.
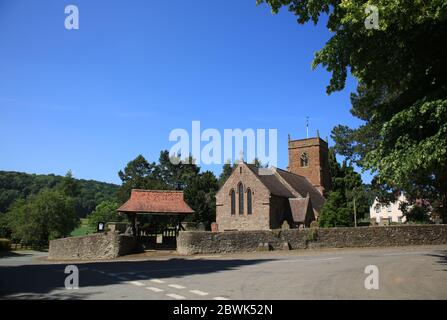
{"points": [[404, 273]]}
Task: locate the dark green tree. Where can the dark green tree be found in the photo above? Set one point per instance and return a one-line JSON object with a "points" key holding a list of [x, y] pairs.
{"points": [[139, 174], [348, 195], [335, 212], [401, 95], [45, 216], [200, 195], [175, 172], [69, 185], [226, 172]]}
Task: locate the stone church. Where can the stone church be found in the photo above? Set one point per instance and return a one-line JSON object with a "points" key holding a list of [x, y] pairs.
{"points": [[264, 198]]}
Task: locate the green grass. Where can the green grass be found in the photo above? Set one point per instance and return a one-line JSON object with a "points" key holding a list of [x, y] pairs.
{"points": [[82, 230]]}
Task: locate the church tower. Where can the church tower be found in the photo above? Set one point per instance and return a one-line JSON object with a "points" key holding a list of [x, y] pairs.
{"points": [[310, 158]]}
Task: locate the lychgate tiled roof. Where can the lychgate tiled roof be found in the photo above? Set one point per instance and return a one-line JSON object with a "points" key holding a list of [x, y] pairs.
{"points": [[156, 201]]}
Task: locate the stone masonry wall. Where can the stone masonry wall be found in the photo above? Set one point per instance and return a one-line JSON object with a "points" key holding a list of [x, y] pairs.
{"points": [[246, 241], [259, 219], [91, 247]]}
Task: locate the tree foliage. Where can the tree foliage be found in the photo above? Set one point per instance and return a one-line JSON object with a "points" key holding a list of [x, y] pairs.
{"points": [[48, 215], [347, 188], [402, 88], [171, 173], [104, 212], [86, 194]]}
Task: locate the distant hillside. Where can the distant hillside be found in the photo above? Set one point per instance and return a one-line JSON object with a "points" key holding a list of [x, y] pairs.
{"points": [[14, 185]]}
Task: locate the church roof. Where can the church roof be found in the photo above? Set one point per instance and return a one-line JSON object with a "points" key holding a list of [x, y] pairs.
{"points": [[156, 201], [284, 184], [271, 181], [299, 207], [301, 185]]}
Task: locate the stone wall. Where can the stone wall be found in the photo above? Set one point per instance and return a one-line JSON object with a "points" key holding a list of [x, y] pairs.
{"points": [[92, 247], [246, 241], [259, 219]]}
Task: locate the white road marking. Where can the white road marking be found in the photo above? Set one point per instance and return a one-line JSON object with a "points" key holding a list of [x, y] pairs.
{"points": [[154, 289], [157, 281], [176, 286], [198, 292], [131, 273], [141, 276], [220, 298], [175, 296], [137, 283], [102, 272]]}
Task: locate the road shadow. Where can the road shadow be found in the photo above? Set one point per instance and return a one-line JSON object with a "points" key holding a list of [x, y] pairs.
{"points": [[8, 254], [32, 280], [442, 258]]}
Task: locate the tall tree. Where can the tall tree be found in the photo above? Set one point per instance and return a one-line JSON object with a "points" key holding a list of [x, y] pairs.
{"points": [[69, 185], [402, 88], [226, 172], [348, 195], [139, 174], [175, 172], [200, 195]]}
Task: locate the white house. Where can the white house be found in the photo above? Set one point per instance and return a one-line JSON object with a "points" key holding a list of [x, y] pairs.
{"points": [[388, 212]]}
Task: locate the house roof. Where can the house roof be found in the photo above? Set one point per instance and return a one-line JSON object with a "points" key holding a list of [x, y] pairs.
{"points": [[156, 201]]}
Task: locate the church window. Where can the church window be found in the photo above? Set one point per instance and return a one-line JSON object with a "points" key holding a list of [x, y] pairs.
{"points": [[240, 189], [233, 201], [249, 202], [304, 160]]}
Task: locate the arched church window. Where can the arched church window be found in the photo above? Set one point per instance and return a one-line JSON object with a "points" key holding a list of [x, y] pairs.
{"points": [[304, 160], [233, 201], [240, 189], [249, 202]]}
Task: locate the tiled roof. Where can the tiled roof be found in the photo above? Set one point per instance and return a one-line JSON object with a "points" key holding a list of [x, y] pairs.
{"points": [[156, 201], [299, 207], [301, 185], [271, 181]]}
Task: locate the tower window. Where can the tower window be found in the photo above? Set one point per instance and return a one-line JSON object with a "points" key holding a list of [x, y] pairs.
{"points": [[240, 190], [249, 204], [233, 201], [304, 160]]}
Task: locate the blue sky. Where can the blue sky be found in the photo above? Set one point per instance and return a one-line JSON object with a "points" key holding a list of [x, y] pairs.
{"points": [[92, 99]]}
